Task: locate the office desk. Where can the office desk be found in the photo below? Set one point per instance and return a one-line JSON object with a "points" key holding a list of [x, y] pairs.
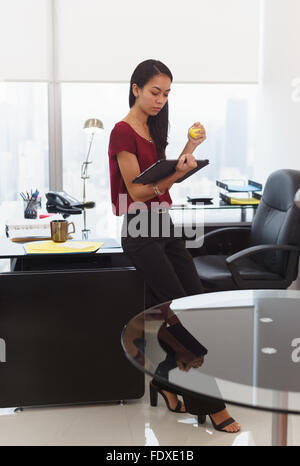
{"points": [[61, 318], [218, 212], [187, 220], [60, 323]]}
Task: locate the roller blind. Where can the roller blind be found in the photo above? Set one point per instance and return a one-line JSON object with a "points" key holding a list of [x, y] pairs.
{"points": [[100, 40], [25, 40], [200, 40]]}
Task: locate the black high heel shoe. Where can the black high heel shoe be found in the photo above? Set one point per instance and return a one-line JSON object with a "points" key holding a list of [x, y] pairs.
{"points": [[154, 390], [220, 427]]}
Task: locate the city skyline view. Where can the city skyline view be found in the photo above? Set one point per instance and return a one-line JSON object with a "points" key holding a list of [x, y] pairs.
{"points": [[226, 111]]}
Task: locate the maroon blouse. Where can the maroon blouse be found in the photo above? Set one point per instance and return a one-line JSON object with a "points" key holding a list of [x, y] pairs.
{"points": [[124, 138]]}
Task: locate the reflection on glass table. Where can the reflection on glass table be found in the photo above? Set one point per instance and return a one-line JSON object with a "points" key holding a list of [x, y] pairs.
{"points": [[244, 348]]}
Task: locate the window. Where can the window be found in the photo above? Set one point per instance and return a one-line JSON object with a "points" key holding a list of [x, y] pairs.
{"points": [[24, 144], [109, 103], [226, 110]]}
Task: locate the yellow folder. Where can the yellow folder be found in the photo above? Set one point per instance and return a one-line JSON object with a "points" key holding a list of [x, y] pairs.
{"points": [[50, 247], [244, 201]]}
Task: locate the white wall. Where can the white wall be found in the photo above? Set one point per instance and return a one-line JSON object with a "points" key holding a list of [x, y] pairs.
{"points": [[278, 118]]}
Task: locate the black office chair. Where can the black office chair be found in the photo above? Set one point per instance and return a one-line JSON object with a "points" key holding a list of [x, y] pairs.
{"points": [[263, 256]]}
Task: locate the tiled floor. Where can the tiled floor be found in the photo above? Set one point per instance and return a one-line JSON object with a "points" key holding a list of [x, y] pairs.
{"points": [[133, 424]]}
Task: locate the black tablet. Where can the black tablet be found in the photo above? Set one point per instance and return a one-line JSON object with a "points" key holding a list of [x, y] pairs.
{"points": [[163, 168]]}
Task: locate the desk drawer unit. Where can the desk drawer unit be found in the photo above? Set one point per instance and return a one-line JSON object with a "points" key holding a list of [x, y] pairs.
{"points": [[60, 336]]}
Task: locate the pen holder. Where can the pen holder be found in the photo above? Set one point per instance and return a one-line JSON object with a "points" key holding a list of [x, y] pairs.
{"points": [[31, 207]]}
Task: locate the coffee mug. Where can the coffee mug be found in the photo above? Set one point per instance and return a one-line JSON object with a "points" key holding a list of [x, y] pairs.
{"points": [[60, 230]]}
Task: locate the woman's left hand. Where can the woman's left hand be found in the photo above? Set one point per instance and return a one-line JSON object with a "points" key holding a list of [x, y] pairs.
{"points": [[199, 131]]}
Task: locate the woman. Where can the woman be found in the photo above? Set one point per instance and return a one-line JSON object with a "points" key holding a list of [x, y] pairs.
{"points": [[136, 142]]}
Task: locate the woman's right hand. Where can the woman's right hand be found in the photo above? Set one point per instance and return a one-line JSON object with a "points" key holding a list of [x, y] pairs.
{"points": [[186, 163]]}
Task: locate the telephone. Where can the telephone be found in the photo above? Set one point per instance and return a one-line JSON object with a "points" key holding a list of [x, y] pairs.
{"points": [[63, 203]]}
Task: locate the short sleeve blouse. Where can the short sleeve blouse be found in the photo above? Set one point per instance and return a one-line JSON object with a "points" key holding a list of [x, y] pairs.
{"points": [[124, 138]]}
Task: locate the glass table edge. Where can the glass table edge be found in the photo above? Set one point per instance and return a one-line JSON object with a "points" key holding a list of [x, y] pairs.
{"points": [[193, 393], [173, 386]]}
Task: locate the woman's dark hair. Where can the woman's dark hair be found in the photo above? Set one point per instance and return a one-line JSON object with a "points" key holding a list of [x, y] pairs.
{"points": [[158, 124]]}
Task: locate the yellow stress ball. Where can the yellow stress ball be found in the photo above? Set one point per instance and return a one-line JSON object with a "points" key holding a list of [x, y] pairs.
{"points": [[192, 132]]}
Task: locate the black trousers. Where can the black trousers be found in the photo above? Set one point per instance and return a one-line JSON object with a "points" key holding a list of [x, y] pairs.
{"points": [[170, 273]]}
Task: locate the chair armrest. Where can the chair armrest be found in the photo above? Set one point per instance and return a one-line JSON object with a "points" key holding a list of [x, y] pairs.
{"points": [[261, 248], [231, 260]]}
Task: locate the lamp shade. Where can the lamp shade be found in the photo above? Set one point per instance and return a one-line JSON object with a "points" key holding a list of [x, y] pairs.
{"points": [[93, 125]]}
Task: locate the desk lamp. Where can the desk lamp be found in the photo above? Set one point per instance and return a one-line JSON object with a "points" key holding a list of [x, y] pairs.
{"points": [[91, 126]]}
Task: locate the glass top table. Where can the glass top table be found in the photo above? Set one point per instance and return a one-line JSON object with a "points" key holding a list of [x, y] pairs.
{"points": [[240, 346]]}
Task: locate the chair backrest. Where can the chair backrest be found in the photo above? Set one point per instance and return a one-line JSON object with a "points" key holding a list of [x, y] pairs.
{"points": [[277, 219]]}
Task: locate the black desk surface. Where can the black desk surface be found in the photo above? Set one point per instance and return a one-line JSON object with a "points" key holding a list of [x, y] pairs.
{"points": [[252, 340]]}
